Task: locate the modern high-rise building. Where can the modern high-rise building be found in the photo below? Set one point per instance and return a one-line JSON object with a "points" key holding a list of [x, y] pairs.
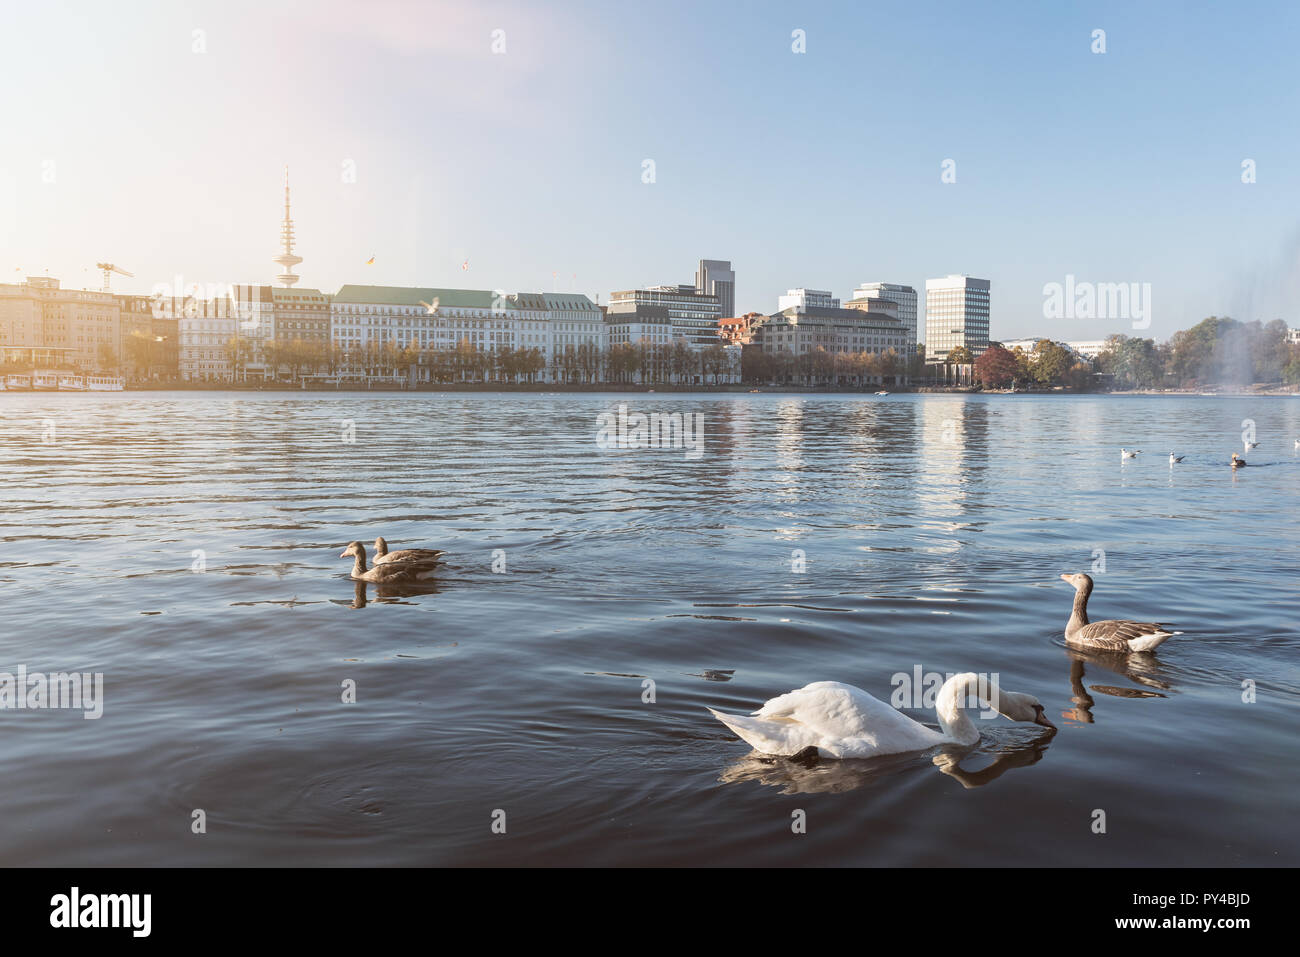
{"points": [[803, 298], [903, 296], [956, 314], [715, 277]]}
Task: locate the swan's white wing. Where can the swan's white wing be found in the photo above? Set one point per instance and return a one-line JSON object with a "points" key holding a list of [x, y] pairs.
{"points": [[838, 719], [771, 737]]}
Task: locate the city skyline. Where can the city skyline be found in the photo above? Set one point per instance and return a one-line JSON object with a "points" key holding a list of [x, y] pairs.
{"points": [[413, 143]]}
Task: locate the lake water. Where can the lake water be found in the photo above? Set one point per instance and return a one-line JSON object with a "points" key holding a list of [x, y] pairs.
{"points": [[932, 531]]}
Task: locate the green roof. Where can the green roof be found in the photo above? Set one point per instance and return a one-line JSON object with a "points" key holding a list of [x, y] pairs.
{"points": [[567, 300], [412, 296]]}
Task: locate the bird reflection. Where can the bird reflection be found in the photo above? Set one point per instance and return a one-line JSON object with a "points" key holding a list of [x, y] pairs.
{"points": [[1140, 667], [813, 775], [388, 593], [1020, 756]]}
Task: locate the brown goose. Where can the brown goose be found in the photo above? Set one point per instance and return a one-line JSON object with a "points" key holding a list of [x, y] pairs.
{"points": [[383, 556], [1108, 635], [395, 572]]}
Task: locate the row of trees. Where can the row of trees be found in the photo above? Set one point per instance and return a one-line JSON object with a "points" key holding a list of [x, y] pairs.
{"points": [[822, 368], [1048, 365], [467, 362], [647, 362], [1215, 352]]}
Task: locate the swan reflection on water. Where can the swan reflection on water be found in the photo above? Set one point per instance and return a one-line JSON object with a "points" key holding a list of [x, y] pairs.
{"points": [[1140, 667], [812, 775]]}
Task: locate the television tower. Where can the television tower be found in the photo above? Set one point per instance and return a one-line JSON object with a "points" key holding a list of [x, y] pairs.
{"points": [[287, 259]]}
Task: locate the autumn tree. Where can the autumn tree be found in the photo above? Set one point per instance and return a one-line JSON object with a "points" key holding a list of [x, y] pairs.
{"points": [[996, 368]]}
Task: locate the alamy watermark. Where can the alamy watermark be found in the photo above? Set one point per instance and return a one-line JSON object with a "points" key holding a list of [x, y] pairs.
{"points": [[1098, 300], [658, 430], [920, 689], [38, 691]]}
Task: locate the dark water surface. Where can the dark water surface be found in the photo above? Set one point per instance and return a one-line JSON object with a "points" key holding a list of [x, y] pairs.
{"points": [[933, 529]]}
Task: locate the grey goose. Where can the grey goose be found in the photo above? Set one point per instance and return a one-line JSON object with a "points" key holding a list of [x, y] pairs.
{"points": [[1113, 635]]}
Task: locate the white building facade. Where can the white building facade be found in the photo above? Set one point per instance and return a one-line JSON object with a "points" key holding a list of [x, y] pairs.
{"points": [[803, 298], [204, 328], [367, 318], [633, 325], [833, 330], [254, 308]]}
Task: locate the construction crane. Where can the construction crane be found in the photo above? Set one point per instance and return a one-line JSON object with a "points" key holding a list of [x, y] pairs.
{"points": [[109, 269]]}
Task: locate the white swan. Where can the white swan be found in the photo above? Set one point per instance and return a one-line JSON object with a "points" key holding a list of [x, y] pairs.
{"points": [[842, 721]]}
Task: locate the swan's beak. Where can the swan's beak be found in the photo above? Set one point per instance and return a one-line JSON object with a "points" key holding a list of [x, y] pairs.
{"points": [[1042, 719]]}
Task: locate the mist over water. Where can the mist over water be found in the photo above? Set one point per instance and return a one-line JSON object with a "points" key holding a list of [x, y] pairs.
{"points": [[932, 531]]}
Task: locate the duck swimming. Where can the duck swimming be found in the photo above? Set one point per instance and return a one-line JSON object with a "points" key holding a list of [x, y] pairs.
{"points": [[841, 721], [394, 572], [1126, 454], [1237, 461], [1115, 635], [383, 556]]}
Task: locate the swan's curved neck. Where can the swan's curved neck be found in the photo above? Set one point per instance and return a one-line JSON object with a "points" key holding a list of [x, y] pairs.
{"points": [[958, 693]]}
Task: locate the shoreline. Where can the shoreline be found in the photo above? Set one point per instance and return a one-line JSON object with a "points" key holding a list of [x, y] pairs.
{"points": [[635, 389]]}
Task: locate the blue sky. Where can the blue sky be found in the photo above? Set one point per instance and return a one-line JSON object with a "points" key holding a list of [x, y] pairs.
{"points": [[819, 169]]}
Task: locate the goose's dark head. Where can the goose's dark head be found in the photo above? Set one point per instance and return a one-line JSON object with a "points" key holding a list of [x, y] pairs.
{"points": [[381, 547], [1080, 581], [354, 549]]}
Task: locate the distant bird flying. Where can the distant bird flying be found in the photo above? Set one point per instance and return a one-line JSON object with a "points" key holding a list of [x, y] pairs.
{"points": [[370, 261], [431, 306]]}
